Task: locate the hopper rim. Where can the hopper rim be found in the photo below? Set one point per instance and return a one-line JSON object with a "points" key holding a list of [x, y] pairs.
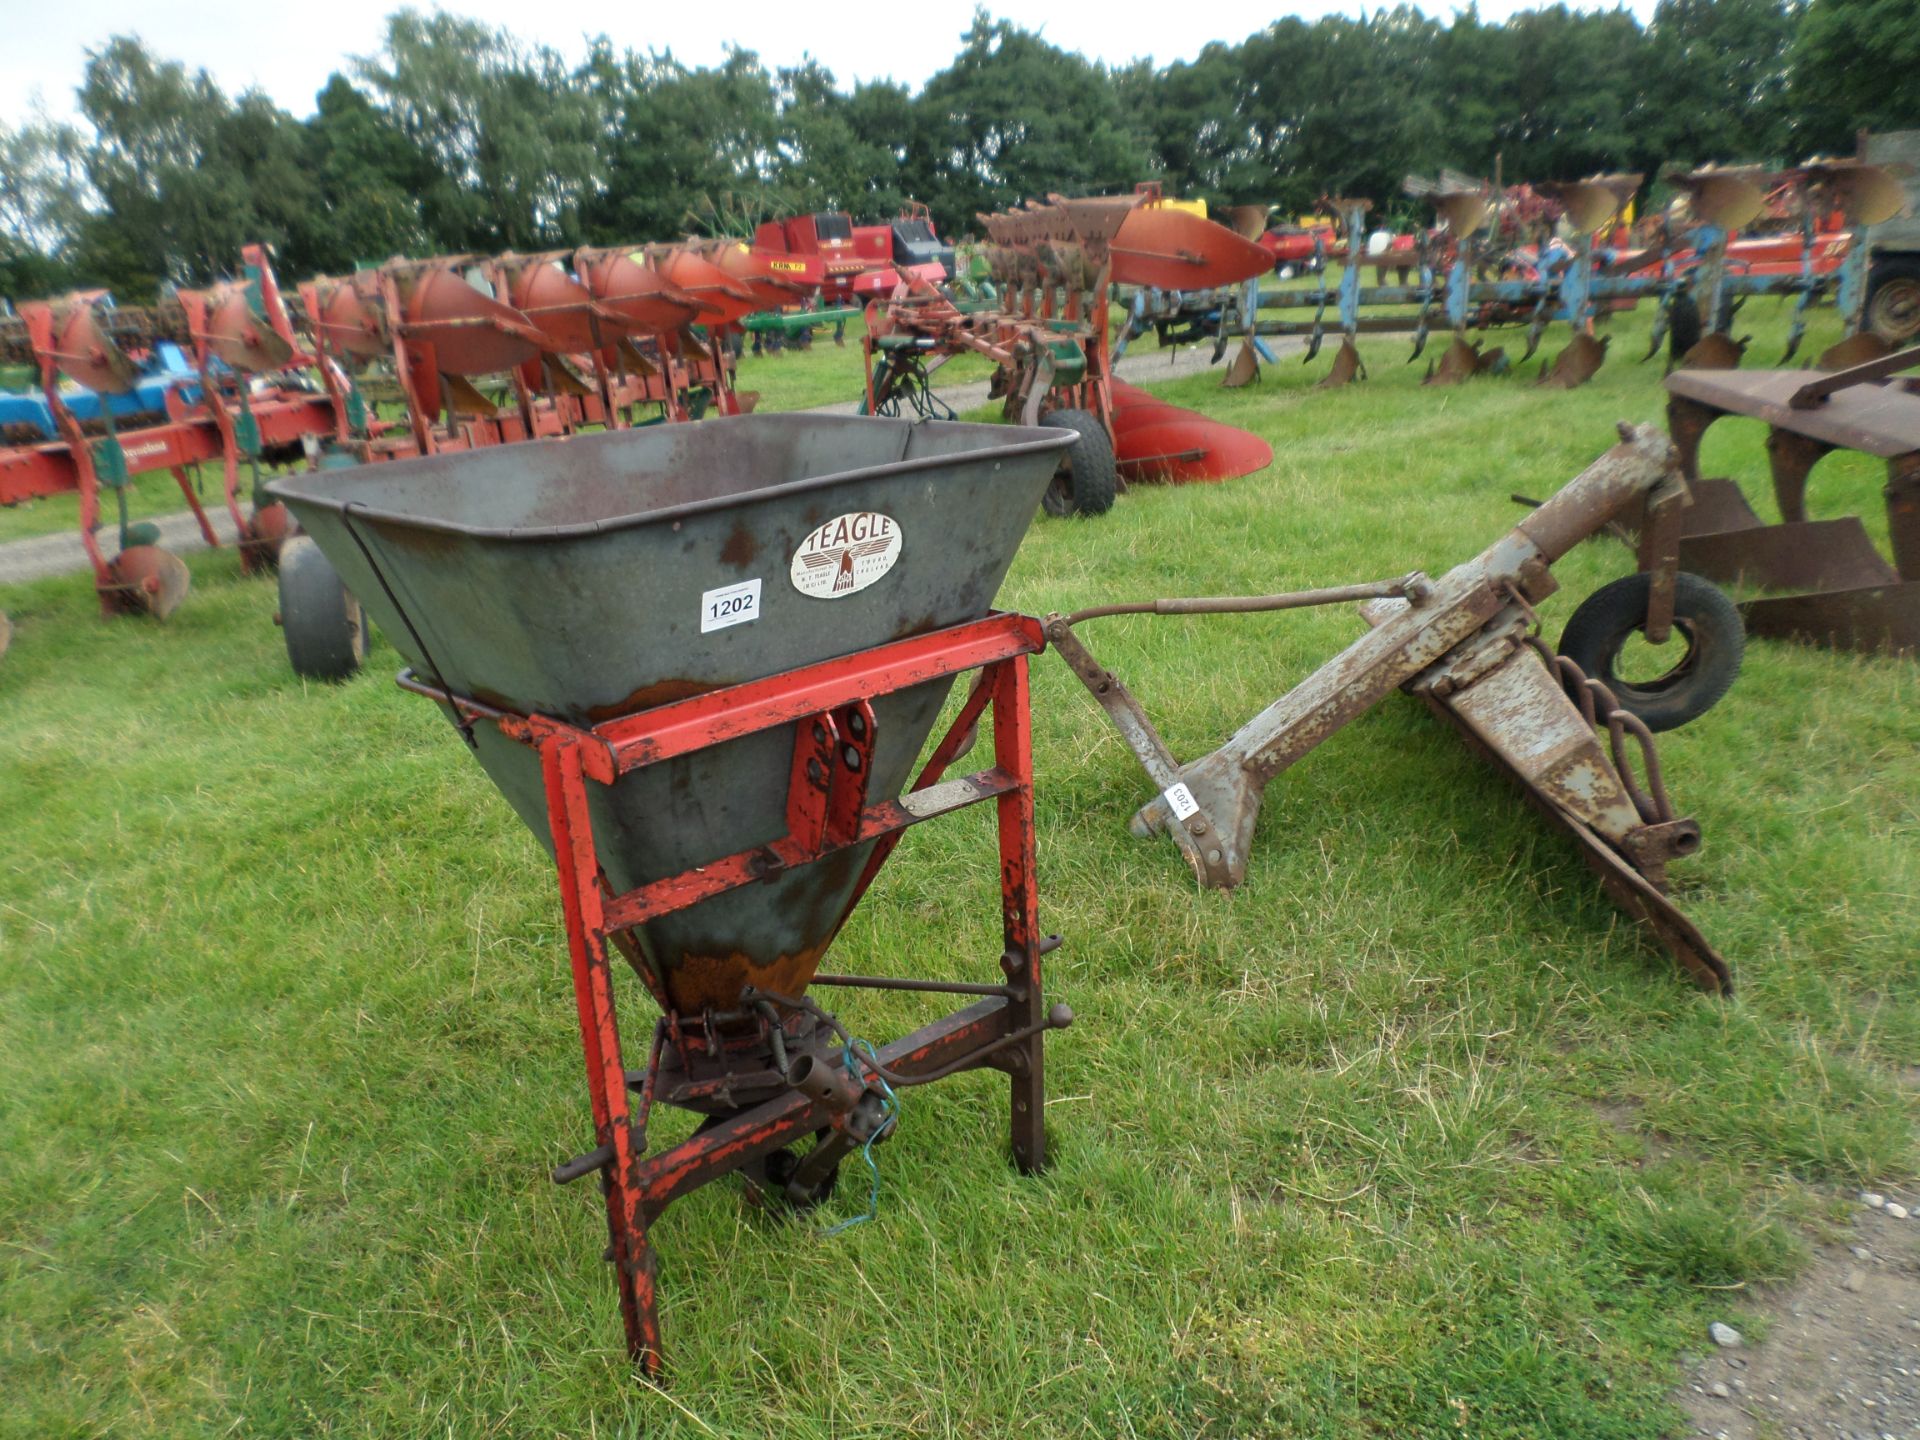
{"points": [[284, 488]]}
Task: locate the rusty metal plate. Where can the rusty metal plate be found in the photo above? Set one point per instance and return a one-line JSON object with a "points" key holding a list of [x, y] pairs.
{"points": [[561, 307], [472, 333], [1576, 364], [1882, 420], [1625, 886], [240, 338], [627, 285], [1177, 250], [1886, 618], [1800, 555], [1717, 506]]}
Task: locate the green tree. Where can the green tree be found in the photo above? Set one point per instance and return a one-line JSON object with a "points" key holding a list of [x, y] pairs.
{"points": [[43, 205], [1193, 124], [1856, 65], [185, 176], [1575, 78], [1472, 80], [508, 134], [371, 175], [1716, 82], [840, 151], [1339, 107], [678, 141], [1014, 117]]}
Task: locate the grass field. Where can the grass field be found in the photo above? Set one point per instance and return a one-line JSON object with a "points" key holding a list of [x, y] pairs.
{"points": [[1411, 1136]]}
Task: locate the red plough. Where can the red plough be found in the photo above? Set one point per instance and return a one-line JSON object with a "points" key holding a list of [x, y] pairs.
{"points": [[234, 335], [1048, 334]]}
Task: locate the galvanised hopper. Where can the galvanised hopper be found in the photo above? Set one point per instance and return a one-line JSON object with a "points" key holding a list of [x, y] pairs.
{"points": [[700, 661], [578, 581]]}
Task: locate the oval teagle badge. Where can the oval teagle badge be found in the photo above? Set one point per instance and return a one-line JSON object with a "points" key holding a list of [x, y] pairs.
{"points": [[846, 555]]}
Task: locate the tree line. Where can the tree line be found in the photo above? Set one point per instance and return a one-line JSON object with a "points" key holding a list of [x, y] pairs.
{"points": [[458, 137]]}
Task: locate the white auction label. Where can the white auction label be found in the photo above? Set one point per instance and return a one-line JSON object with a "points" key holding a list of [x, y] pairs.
{"points": [[730, 605], [846, 555], [1181, 801]]}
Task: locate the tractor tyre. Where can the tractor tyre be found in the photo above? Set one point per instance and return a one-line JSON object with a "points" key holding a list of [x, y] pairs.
{"points": [[1705, 622], [326, 628], [1893, 299], [1085, 482]]}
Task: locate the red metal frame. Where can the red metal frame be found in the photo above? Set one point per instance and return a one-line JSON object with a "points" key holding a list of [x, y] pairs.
{"points": [[191, 435], [827, 811], [657, 368]]}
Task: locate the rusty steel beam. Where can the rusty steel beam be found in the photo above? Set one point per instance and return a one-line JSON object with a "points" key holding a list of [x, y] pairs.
{"points": [[1463, 643]]}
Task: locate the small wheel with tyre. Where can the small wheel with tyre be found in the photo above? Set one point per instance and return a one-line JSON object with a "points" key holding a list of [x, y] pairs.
{"points": [[1669, 685], [326, 628], [1893, 299], [1085, 482]]}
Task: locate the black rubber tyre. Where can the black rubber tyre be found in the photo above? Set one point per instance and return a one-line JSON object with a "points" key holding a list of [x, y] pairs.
{"points": [[326, 629], [1705, 622], [1893, 299], [1087, 478]]}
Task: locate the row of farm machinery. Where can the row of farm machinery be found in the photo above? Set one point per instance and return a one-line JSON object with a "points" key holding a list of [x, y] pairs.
{"points": [[466, 352], [1532, 256], [471, 352], [1535, 256]]}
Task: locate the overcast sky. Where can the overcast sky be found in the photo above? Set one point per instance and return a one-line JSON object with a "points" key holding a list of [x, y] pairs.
{"points": [[289, 47]]}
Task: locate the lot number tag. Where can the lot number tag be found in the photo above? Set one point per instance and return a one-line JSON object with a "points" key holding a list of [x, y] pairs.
{"points": [[846, 555], [1180, 800], [730, 605]]}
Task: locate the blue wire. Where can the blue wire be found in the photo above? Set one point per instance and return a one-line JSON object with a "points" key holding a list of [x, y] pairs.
{"points": [[891, 1116]]}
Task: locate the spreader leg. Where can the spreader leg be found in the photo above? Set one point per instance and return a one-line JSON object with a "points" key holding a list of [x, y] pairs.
{"points": [[580, 898], [1020, 913], [633, 1268]]}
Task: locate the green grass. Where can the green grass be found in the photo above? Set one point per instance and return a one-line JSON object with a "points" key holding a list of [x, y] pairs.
{"points": [[1411, 1136], [801, 379], [148, 496]]}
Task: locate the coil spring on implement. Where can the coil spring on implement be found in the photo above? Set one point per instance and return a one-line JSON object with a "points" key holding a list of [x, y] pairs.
{"points": [[1600, 707]]}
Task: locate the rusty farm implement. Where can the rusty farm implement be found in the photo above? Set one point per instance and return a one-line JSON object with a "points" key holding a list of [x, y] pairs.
{"points": [[232, 397], [467, 352], [701, 665], [1822, 581], [1047, 331], [579, 348], [1580, 748]]}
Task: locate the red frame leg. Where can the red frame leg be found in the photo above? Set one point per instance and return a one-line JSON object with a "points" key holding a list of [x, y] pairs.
{"points": [[580, 899], [1020, 912]]}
